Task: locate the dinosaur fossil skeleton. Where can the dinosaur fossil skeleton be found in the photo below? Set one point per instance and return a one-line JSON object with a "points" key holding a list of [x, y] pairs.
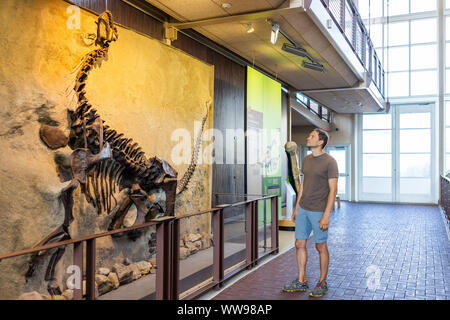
{"points": [[105, 162]]}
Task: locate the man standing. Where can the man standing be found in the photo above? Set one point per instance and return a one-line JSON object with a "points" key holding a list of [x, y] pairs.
{"points": [[316, 198]]}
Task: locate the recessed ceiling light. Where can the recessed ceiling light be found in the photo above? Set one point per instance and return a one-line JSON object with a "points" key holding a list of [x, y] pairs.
{"points": [[226, 5], [250, 28]]}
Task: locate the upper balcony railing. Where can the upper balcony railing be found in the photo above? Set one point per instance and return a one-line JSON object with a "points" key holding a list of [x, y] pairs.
{"points": [[346, 16]]}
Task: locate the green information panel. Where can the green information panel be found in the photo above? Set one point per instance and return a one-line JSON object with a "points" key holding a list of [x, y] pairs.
{"points": [[264, 150]]}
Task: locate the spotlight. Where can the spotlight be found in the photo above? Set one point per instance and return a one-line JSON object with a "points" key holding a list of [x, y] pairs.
{"points": [[250, 28], [296, 50], [274, 33], [313, 66]]}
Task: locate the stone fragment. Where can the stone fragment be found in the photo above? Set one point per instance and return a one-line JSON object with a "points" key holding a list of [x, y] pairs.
{"points": [[53, 137], [127, 261], [144, 267], [130, 217], [68, 294], [152, 262], [34, 295], [104, 271], [205, 243], [112, 276], [184, 253], [103, 283], [192, 237], [192, 248], [135, 270], [124, 274], [198, 244]]}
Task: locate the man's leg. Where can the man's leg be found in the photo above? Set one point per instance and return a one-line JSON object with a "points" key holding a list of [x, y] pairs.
{"points": [[302, 258], [302, 231], [324, 259], [320, 238]]}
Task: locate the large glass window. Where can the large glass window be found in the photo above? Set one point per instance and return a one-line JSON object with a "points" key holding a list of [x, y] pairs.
{"points": [[407, 45]]}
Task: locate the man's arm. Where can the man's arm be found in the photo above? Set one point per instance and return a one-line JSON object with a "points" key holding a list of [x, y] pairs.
{"points": [[325, 221], [294, 214]]}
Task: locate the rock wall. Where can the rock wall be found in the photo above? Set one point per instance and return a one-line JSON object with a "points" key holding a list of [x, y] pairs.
{"points": [[143, 88]]}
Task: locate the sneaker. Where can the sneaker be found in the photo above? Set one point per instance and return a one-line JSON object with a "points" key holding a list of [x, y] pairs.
{"points": [[296, 286], [320, 289]]}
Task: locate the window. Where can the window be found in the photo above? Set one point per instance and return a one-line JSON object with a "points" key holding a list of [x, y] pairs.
{"points": [[397, 7], [424, 30], [407, 46], [314, 106], [424, 83], [398, 84], [398, 58], [376, 34], [376, 156], [424, 56], [301, 98], [421, 5], [398, 33]]}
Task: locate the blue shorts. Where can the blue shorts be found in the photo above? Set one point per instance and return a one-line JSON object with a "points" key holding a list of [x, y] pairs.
{"points": [[307, 221]]}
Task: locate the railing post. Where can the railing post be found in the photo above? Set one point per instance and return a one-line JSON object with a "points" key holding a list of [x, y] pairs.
{"points": [[249, 208], [218, 253], [90, 269], [78, 261], [274, 224], [354, 31], [163, 259], [255, 233], [265, 216], [175, 260]]}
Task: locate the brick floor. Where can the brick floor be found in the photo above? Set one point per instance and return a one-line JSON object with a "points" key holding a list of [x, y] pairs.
{"points": [[405, 247]]}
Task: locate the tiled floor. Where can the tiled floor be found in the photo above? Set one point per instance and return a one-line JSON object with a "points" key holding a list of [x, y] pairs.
{"points": [[377, 251]]}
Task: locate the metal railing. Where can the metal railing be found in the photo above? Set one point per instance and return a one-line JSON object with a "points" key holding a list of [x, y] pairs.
{"points": [[345, 15], [168, 249]]}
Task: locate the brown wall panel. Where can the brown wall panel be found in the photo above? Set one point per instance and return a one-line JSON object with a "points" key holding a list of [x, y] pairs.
{"points": [[126, 15], [229, 112], [94, 5]]}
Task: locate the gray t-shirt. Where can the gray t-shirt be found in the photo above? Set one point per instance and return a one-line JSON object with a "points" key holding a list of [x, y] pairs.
{"points": [[316, 172]]}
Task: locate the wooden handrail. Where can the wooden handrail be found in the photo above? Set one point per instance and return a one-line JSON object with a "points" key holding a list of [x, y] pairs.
{"points": [[81, 239]]}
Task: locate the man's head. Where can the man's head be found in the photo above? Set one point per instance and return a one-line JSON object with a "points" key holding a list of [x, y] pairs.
{"points": [[317, 138]]}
